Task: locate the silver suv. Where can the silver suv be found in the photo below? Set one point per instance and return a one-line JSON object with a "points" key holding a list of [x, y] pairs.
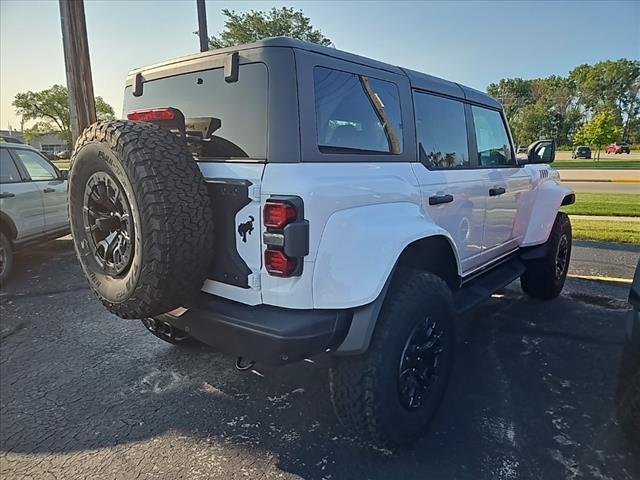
{"points": [[33, 201]]}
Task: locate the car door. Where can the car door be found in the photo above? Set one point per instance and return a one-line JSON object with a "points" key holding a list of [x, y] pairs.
{"points": [[453, 192], [20, 200], [505, 183], [54, 188]]}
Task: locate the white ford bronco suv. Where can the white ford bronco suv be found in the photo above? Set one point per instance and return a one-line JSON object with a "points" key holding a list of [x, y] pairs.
{"points": [[281, 200]]}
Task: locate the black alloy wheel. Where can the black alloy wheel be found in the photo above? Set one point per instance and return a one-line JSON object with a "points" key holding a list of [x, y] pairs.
{"points": [[420, 364], [108, 223]]}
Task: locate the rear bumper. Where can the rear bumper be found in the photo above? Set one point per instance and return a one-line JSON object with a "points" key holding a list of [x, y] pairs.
{"points": [[262, 333]]}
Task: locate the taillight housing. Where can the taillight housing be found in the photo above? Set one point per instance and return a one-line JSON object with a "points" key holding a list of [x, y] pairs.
{"points": [[278, 264], [277, 214], [152, 115], [286, 236]]}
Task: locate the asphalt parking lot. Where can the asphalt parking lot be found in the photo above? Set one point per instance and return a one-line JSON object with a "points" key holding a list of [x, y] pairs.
{"points": [[86, 395]]}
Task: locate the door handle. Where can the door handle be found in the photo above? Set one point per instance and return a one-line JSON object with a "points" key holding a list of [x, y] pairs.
{"points": [[7, 195], [440, 199], [495, 191], [49, 190]]}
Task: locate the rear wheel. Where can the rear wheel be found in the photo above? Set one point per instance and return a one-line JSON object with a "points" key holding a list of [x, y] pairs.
{"points": [[544, 279], [6, 258], [389, 395], [141, 218]]}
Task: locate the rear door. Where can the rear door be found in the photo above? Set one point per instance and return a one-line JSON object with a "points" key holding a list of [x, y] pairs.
{"points": [[54, 189], [20, 199], [505, 182], [226, 130], [452, 190]]}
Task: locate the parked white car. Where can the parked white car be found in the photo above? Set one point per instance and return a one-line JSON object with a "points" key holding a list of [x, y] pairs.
{"points": [[281, 200], [33, 201]]}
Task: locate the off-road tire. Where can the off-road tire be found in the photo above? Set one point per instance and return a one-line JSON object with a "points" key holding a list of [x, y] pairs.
{"points": [[365, 390], [169, 333], [170, 215], [7, 252], [541, 280]]}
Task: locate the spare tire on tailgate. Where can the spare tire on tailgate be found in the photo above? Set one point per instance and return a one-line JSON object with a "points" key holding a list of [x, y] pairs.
{"points": [[141, 217]]}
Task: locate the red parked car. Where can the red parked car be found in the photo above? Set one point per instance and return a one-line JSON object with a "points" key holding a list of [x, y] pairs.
{"points": [[618, 147]]}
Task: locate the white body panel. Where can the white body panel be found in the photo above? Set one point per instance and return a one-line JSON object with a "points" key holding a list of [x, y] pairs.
{"points": [[362, 216], [463, 218], [356, 257], [501, 233], [546, 199], [327, 189], [56, 213], [25, 208]]}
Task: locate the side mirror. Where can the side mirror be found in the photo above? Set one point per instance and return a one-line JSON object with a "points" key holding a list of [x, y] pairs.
{"points": [[64, 174], [542, 151]]}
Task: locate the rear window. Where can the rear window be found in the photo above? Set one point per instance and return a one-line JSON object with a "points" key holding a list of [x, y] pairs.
{"points": [[205, 99], [356, 113]]}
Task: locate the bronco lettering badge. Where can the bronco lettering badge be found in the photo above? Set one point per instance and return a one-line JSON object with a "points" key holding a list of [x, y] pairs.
{"points": [[246, 228]]}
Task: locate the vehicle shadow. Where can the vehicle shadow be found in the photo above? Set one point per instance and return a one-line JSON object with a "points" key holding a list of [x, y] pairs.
{"points": [[517, 401]]}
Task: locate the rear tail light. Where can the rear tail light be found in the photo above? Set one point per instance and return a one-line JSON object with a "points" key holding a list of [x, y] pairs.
{"points": [[286, 235], [151, 115], [278, 214], [278, 264]]}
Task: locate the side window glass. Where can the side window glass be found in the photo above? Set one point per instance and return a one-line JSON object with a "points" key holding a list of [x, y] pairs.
{"points": [[8, 170], [491, 137], [37, 167], [356, 114], [442, 132]]}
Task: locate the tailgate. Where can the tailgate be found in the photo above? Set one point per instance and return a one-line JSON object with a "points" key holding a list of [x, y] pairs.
{"points": [[235, 192]]}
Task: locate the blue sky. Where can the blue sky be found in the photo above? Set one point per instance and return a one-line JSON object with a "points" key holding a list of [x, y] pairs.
{"points": [[474, 43]]}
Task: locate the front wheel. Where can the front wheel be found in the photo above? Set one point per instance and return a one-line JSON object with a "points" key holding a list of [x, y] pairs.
{"points": [[544, 278], [388, 396]]}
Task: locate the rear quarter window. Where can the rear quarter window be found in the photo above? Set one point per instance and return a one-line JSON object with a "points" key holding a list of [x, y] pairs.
{"points": [[240, 107], [356, 113]]}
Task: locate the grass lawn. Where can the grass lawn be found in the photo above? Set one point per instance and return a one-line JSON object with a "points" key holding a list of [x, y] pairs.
{"points": [[611, 204], [62, 164], [628, 232], [607, 160], [603, 163]]}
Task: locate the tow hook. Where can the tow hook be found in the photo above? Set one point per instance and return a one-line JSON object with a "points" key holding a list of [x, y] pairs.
{"points": [[243, 367]]}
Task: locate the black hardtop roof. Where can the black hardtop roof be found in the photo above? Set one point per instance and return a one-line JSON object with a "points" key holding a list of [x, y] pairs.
{"points": [[416, 79]]}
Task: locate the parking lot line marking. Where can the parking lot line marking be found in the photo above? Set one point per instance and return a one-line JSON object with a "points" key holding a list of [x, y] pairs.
{"points": [[602, 279]]}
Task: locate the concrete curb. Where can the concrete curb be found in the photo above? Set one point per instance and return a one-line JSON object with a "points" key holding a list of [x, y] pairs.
{"points": [[602, 180]]}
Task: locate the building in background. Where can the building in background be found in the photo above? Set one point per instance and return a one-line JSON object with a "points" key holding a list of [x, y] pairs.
{"points": [[50, 143]]}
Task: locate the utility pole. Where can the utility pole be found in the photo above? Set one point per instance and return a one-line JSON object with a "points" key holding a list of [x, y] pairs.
{"points": [[82, 108], [202, 25]]}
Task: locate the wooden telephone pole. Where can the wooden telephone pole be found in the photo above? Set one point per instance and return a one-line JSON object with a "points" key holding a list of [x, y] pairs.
{"points": [[82, 107], [202, 26]]}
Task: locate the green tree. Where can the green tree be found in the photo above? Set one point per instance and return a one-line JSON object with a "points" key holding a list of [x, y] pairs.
{"points": [[255, 25], [50, 110], [513, 93], [541, 107], [599, 131], [531, 123], [610, 85]]}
